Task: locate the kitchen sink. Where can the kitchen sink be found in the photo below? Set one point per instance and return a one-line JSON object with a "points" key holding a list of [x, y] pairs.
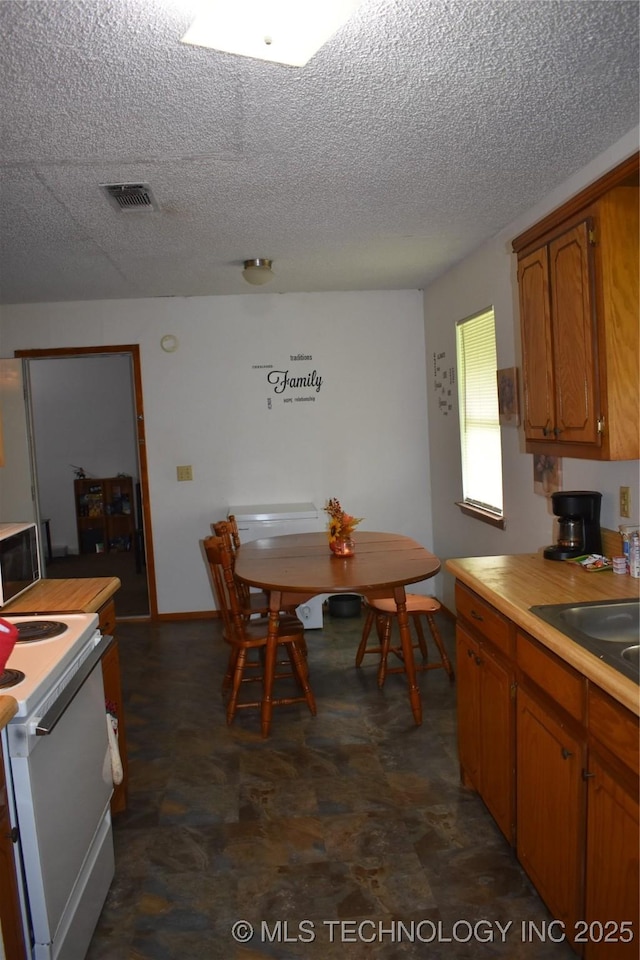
{"points": [[612, 622], [609, 630]]}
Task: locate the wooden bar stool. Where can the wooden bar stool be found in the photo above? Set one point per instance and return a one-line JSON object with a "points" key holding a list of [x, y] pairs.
{"points": [[383, 613]]}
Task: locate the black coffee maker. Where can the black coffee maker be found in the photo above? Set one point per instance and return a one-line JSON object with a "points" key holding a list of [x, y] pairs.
{"points": [[578, 513]]}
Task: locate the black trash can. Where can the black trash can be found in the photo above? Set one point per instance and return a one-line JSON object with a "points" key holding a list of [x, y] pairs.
{"points": [[345, 605]]}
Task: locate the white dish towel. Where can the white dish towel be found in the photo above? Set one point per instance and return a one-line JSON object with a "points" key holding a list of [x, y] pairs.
{"points": [[116, 762]]}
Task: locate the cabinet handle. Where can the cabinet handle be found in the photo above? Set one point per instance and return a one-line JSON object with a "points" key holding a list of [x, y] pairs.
{"points": [[586, 775], [477, 616], [556, 432], [13, 835], [479, 661], [566, 753], [470, 653]]}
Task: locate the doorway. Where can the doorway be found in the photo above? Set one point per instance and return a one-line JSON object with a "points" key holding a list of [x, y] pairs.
{"points": [[88, 419]]}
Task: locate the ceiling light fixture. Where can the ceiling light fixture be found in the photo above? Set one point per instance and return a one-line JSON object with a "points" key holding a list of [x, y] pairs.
{"points": [[281, 31], [257, 271]]}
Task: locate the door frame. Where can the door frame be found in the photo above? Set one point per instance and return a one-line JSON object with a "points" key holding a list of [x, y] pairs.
{"points": [[133, 350]]}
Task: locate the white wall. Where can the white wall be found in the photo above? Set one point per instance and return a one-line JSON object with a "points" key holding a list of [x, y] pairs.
{"points": [[83, 415], [363, 438], [488, 277]]}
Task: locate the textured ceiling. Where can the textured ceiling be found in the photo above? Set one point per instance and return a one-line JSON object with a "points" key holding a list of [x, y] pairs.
{"points": [[418, 131]]}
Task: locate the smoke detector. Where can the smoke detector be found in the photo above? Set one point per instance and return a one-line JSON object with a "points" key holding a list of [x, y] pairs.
{"points": [[130, 196]]}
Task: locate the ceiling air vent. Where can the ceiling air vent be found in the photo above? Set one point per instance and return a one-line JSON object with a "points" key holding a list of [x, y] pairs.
{"points": [[130, 196]]}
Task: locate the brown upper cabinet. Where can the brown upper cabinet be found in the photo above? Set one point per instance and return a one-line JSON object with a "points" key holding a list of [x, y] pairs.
{"points": [[579, 318]]}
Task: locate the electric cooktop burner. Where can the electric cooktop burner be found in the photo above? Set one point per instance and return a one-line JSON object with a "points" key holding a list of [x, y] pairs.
{"points": [[31, 630], [9, 678]]}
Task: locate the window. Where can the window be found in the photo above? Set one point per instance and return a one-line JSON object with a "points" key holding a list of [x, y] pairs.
{"points": [[480, 445]]}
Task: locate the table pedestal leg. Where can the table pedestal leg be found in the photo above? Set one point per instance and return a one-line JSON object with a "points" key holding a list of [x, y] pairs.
{"points": [[407, 653], [270, 662]]}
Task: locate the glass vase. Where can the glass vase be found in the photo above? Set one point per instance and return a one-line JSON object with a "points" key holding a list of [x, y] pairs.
{"points": [[343, 547]]}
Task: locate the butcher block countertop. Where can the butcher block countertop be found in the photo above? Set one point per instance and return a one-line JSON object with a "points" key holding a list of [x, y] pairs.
{"points": [[512, 584], [8, 707], [84, 595]]}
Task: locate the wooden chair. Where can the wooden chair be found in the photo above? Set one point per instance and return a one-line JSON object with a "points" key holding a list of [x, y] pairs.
{"points": [[245, 635], [383, 613], [254, 603]]}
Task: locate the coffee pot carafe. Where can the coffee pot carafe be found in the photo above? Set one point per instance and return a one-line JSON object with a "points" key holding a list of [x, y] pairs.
{"points": [[578, 513], [571, 533]]}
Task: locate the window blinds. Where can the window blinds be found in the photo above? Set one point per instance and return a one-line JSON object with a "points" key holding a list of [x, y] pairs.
{"points": [[479, 424]]}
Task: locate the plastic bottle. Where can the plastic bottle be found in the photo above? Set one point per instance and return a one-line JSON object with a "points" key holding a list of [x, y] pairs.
{"points": [[634, 555], [626, 532]]}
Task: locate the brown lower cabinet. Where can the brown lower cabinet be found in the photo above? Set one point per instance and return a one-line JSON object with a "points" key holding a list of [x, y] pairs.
{"points": [[485, 723], [558, 770], [113, 696], [612, 892], [550, 808]]}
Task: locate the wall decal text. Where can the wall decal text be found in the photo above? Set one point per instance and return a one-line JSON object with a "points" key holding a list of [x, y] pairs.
{"points": [[280, 380]]}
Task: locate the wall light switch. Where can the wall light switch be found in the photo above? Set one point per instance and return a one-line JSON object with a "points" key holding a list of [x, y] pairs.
{"points": [[625, 502], [185, 473]]}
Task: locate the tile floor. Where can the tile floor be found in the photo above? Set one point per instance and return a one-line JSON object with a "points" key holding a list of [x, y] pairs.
{"points": [[346, 835]]}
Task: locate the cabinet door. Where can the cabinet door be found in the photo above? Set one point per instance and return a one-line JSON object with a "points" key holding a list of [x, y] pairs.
{"points": [[573, 323], [537, 350], [485, 728], [496, 738], [550, 808], [468, 684], [113, 696], [612, 889]]}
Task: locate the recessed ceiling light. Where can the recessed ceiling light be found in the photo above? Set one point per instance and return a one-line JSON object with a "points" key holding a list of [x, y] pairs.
{"points": [[281, 31]]}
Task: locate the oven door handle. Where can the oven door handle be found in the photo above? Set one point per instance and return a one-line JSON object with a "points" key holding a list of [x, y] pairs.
{"points": [[47, 723]]}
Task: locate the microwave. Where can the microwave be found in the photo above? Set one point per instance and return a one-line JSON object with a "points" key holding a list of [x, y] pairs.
{"points": [[19, 559]]}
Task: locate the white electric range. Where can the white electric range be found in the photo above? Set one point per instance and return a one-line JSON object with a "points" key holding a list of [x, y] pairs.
{"points": [[58, 768]]}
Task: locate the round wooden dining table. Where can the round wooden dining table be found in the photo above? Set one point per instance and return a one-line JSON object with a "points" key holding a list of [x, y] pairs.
{"points": [[299, 566]]}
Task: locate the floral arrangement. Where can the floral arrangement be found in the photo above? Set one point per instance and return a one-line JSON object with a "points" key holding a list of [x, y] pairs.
{"points": [[341, 524]]}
